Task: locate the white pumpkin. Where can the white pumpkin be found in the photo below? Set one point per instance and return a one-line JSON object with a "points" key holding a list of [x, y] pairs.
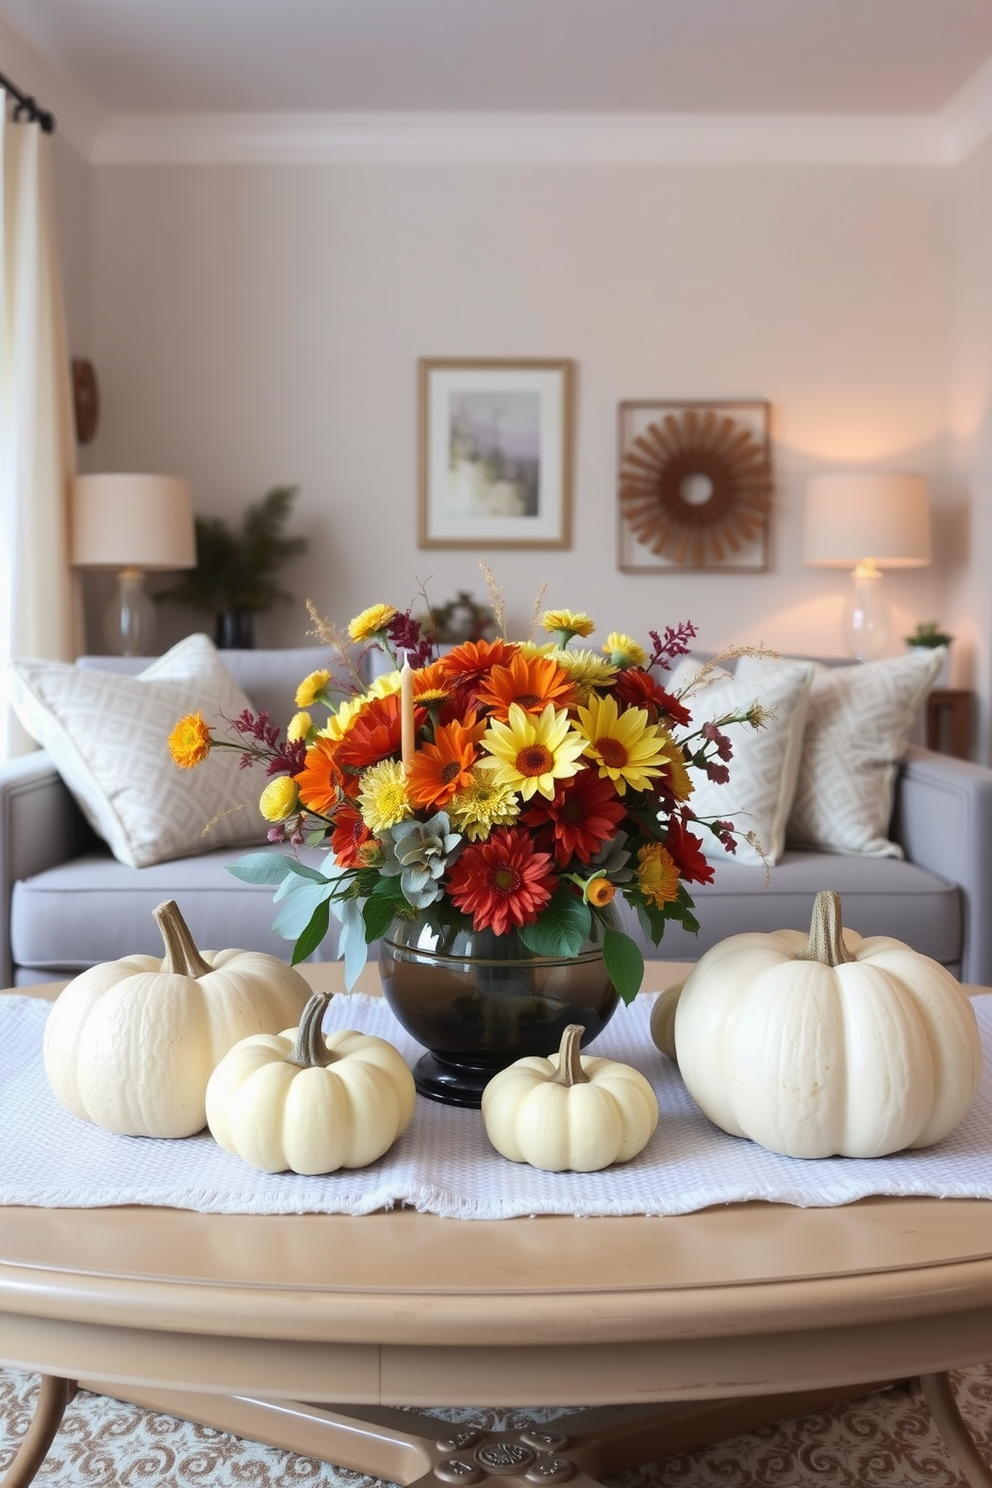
{"points": [[571, 1111], [827, 1043], [131, 1044], [310, 1102]]}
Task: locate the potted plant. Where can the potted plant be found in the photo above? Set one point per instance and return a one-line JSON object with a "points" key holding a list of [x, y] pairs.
{"points": [[234, 578], [929, 635]]}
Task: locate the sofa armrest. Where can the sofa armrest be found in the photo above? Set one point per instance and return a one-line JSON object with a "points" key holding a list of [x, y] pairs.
{"points": [[40, 827], [943, 822]]}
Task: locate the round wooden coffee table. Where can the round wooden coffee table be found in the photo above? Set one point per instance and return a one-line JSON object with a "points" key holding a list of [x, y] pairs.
{"points": [[309, 1331]]}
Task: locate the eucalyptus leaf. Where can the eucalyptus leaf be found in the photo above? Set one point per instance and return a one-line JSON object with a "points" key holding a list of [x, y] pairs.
{"points": [[297, 908], [352, 944], [261, 868], [624, 963]]}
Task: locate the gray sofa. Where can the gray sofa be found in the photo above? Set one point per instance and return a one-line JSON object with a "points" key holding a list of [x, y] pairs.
{"points": [[66, 904]]}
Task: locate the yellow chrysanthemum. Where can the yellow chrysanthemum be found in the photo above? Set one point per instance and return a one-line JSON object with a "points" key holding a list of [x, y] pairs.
{"points": [[568, 623], [384, 686], [538, 648], [299, 727], [657, 874], [371, 622], [342, 718], [279, 799], [628, 748], [382, 798], [623, 650], [531, 751], [587, 669], [675, 771], [483, 804], [189, 742], [311, 689]]}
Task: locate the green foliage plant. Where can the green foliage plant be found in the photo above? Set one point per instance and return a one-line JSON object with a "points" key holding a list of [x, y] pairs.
{"points": [[928, 633], [235, 571]]}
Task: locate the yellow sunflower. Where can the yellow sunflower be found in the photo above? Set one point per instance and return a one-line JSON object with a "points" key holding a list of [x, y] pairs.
{"points": [[628, 748], [530, 752]]}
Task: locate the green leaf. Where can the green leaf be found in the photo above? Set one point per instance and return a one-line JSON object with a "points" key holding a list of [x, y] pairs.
{"points": [[624, 963], [378, 913], [261, 868], [313, 934], [564, 924]]}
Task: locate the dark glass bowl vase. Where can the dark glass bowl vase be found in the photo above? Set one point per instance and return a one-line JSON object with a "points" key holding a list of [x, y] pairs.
{"points": [[477, 1001]]}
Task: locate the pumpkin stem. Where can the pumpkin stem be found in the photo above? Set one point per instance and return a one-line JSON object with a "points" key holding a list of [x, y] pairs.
{"points": [[310, 1051], [825, 942], [181, 956], [570, 1071]]}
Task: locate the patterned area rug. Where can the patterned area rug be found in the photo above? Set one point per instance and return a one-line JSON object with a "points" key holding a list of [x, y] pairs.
{"points": [[885, 1439]]}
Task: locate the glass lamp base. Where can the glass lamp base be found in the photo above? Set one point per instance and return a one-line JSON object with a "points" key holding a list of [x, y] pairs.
{"points": [[866, 616], [129, 621]]}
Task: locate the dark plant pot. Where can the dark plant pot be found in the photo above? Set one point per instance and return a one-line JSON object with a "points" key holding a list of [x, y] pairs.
{"points": [[477, 1001], [235, 632]]}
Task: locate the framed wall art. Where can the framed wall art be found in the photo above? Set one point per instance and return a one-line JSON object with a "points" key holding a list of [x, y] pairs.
{"points": [[694, 486], [495, 454]]}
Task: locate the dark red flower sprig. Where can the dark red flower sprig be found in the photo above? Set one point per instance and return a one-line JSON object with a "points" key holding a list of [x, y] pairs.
{"points": [[405, 634], [281, 757], [675, 642]]}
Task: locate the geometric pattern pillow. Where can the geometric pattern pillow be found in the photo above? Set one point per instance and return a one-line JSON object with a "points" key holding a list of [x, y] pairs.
{"points": [[765, 763], [107, 735], [858, 729]]}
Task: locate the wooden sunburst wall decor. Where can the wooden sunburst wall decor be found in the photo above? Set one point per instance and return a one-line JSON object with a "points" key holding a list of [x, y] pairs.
{"points": [[695, 485]]}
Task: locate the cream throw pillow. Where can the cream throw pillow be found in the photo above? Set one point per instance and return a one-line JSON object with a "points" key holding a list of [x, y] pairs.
{"points": [[765, 762], [107, 735], [860, 720]]}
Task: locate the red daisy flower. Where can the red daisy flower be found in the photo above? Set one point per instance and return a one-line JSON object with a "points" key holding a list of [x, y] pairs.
{"points": [[686, 848], [349, 837], [584, 814], [639, 690], [501, 882]]}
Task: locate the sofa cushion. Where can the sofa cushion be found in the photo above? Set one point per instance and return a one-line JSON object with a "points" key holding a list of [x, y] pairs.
{"points": [[93, 909], [858, 729], [108, 737], [765, 762]]}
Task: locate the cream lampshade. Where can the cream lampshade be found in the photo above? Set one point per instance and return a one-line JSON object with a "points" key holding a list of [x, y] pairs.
{"points": [[867, 522], [134, 524]]}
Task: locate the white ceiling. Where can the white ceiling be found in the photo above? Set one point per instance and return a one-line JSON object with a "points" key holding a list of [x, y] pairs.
{"points": [[709, 57]]}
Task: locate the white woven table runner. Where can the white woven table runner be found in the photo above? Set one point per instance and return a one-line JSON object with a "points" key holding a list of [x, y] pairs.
{"points": [[444, 1163]]}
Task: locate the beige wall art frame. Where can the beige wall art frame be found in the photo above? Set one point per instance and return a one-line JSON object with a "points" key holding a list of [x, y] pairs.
{"points": [[495, 454], [694, 485]]}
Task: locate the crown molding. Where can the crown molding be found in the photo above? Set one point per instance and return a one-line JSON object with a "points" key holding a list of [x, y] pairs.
{"points": [[522, 138]]}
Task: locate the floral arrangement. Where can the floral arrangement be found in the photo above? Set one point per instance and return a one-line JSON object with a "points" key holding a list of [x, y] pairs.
{"points": [[519, 786]]}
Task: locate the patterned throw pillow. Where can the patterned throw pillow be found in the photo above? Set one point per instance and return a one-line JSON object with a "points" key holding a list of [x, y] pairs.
{"points": [[860, 720], [107, 734], [765, 762]]}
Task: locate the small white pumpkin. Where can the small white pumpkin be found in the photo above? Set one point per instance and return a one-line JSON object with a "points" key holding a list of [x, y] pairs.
{"points": [[310, 1102], [826, 1043], [131, 1044], [571, 1111]]}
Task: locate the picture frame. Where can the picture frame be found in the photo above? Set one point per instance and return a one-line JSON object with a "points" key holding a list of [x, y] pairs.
{"points": [[694, 485], [495, 453]]}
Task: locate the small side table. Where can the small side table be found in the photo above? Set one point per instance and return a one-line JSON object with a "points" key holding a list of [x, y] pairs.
{"points": [[949, 721]]}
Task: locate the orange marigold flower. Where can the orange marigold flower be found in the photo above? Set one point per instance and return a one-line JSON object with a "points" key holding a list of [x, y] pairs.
{"points": [[531, 681], [439, 770], [502, 882], [600, 892], [657, 874], [189, 742]]}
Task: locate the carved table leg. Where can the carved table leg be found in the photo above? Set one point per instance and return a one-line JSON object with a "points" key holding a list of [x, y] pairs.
{"points": [[950, 1423], [53, 1397]]}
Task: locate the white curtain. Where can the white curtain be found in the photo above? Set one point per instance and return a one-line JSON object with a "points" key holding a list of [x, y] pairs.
{"points": [[38, 605]]}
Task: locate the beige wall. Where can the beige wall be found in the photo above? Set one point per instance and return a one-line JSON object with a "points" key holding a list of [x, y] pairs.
{"points": [[260, 324]]}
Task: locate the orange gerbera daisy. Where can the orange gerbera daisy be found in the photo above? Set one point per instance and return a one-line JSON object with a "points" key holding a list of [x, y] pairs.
{"points": [[439, 770], [374, 734], [531, 681], [502, 882], [472, 661], [321, 780]]}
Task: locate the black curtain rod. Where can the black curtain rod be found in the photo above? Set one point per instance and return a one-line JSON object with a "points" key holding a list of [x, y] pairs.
{"points": [[26, 105]]}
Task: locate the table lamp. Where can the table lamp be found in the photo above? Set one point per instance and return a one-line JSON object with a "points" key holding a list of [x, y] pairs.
{"points": [[135, 524], [867, 522]]}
